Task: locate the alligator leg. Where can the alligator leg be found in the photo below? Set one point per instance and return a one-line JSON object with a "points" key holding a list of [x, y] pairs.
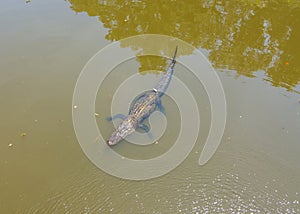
{"points": [[161, 107], [117, 116], [146, 129]]}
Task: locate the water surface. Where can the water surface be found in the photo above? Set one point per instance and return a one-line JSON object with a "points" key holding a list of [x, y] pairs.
{"points": [[255, 50]]}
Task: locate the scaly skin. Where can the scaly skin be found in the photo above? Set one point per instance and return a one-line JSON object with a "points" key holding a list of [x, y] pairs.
{"points": [[143, 107]]}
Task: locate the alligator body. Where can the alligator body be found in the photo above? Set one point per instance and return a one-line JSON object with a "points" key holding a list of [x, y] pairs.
{"points": [[142, 107]]}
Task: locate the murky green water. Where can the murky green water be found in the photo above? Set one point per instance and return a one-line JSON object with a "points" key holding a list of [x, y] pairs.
{"points": [[255, 49]]}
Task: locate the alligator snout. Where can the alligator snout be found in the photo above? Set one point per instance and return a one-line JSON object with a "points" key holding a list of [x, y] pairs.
{"points": [[110, 143]]}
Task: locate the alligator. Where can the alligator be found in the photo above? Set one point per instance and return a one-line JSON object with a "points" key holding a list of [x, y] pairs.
{"points": [[142, 107]]}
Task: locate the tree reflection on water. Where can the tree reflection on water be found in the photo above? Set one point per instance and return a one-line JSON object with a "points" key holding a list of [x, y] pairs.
{"points": [[242, 36]]}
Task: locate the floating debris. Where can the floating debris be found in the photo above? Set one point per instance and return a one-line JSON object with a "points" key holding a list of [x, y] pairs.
{"points": [[241, 116], [23, 134], [27, 1], [10, 145], [75, 107], [97, 115], [35, 120], [156, 142]]}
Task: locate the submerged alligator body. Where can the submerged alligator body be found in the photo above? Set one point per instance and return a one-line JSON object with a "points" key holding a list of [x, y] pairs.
{"points": [[142, 107]]}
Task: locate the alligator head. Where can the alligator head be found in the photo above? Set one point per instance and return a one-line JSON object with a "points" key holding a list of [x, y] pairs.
{"points": [[124, 129]]}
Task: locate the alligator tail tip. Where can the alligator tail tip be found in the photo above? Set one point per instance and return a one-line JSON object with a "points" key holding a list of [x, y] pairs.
{"points": [[174, 58]]}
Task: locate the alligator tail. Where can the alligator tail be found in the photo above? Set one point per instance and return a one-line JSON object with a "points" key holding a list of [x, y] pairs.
{"points": [[174, 58]]}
